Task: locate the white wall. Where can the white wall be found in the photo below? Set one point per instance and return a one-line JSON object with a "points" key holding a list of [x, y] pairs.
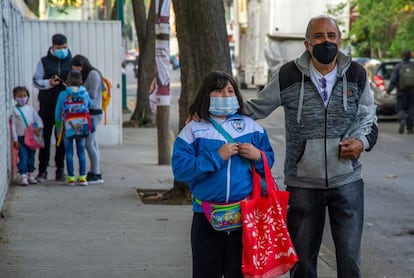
{"points": [[100, 41]]}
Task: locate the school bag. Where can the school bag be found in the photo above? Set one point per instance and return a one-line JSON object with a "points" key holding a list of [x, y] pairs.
{"points": [[406, 79], [76, 118], [106, 95]]}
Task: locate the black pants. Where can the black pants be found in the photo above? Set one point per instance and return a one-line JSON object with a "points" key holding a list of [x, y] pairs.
{"points": [[405, 107], [44, 153], [215, 254]]}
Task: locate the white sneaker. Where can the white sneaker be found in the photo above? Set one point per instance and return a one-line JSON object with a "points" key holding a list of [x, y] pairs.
{"points": [[32, 179], [23, 180]]}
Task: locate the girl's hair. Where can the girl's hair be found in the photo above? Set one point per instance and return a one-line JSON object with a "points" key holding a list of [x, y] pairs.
{"points": [[82, 61], [215, 80], [74, 78], [20, 88]]}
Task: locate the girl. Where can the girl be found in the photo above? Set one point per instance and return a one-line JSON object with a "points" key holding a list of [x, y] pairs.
{"points": [[74, 101], [93, 83], [217, 169], [24, 115]]}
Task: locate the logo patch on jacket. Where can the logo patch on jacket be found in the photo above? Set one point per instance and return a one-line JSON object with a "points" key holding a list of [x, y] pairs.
{"points": [[349, 93], [238, 125]]}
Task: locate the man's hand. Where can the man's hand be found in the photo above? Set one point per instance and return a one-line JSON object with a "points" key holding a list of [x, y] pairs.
{"points": [[193, 117], [54, 80], [350, 148]]}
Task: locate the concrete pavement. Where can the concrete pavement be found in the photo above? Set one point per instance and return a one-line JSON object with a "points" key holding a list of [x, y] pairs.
{"points": [[103, 230]]}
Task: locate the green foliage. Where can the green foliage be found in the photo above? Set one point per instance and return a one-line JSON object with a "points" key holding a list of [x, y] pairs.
{"points": [[383, 28]]}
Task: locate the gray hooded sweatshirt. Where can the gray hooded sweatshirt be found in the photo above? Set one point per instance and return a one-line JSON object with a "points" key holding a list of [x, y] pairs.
{"points": [[313, 131]]}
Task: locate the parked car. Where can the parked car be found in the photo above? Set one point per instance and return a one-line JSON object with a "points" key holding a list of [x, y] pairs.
{"points": [[379, 74], [131, 56], [361, 60]]}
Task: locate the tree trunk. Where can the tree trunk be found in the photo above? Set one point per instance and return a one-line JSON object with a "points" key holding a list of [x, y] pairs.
{"points": [[203, 45], [142, 115]]}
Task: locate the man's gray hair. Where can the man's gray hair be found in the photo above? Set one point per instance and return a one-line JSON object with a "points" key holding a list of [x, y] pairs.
{"points": [[307, 34]]}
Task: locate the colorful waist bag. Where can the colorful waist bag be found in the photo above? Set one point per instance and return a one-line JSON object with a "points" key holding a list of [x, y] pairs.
{"points": [[222, 217]]}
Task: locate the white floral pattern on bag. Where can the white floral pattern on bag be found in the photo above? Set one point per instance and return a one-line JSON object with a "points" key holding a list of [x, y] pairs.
{"points": [[264, 241]]}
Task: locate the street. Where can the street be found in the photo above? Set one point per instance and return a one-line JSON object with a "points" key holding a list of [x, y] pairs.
{"points": [[388, 239]]}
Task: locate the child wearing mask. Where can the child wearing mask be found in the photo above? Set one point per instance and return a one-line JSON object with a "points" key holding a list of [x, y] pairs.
{"points": [[74, 101], [217, 169], [24, 115]]}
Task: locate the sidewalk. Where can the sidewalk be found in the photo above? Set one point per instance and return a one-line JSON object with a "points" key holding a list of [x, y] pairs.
{"points": [[103, 230]]}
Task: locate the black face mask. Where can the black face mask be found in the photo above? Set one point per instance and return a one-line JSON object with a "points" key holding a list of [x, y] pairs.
{"points": [[325, 52]]}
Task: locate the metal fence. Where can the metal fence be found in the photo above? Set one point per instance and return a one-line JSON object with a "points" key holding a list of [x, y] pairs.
{"points": [[10, 72]]}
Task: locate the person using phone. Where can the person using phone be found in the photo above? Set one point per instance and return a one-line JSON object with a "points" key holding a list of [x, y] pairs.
{"points": [[50, 72]]}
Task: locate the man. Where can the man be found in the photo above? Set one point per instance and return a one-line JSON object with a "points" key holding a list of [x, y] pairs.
{"points": [[329, 120], [51, 71], [402, 78]]}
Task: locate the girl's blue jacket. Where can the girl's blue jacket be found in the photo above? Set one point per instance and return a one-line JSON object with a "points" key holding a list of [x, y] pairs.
{"points": [[196, 160]]}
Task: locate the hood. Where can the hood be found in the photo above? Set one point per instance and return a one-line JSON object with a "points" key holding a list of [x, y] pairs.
{"points": [[342, 61], [81, 92]]}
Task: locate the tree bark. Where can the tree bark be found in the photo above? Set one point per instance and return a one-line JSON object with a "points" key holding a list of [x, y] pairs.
{"points": [[203, 46], [145, 27]]}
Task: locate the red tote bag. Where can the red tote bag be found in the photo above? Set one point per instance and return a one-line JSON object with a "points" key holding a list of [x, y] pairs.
{"points": [[268, 251]]}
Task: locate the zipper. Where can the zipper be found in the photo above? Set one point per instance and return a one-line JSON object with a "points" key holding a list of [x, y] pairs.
{"points": [[325, 141], [228, 181]]}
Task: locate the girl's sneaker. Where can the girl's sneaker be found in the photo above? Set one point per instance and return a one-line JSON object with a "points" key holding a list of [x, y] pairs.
{"points": [[70, 180], [94, 178], [82, 180], [31, 179], [23, 180]]}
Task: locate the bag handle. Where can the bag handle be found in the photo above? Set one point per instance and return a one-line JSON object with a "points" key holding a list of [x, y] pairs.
{"points": [[271, 185], [24, 118]]}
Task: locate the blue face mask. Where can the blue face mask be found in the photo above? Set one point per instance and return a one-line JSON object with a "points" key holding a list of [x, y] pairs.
{"points": [[223, 106], [61, 53]]}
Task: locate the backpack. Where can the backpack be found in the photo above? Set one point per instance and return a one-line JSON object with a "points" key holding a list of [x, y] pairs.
{"points": [[106, 95], [76, 118], [406, 78]]}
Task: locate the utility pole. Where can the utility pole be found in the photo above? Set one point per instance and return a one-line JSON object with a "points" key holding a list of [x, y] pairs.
{"points": [[162, 60], [120, 10]]}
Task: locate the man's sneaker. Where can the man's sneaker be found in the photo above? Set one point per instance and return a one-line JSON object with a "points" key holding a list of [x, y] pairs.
{"points": [[23, 180], [82, 180], [31, 178], [60, 175], [70, 180], [42, 176], [94, 178]]}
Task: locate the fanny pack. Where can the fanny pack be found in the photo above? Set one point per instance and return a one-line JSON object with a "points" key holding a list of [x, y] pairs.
{"points": [[222, 217]]}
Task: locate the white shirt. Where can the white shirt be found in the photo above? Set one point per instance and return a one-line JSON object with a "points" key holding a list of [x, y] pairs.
{"points": [[18, 124], [315, 76]]}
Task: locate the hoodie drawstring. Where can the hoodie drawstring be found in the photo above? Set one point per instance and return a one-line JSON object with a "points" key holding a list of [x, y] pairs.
{"points": [[344, 92], [302, 92]]}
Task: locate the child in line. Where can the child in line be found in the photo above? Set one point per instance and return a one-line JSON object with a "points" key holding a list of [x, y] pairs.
{"points": [[217, 169], [24, 115], [74, 101]]}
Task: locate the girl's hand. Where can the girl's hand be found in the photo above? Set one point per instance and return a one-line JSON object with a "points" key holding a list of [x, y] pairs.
{"points": [[16, 145], [228, 150], [249, 151], [37, 131]]}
